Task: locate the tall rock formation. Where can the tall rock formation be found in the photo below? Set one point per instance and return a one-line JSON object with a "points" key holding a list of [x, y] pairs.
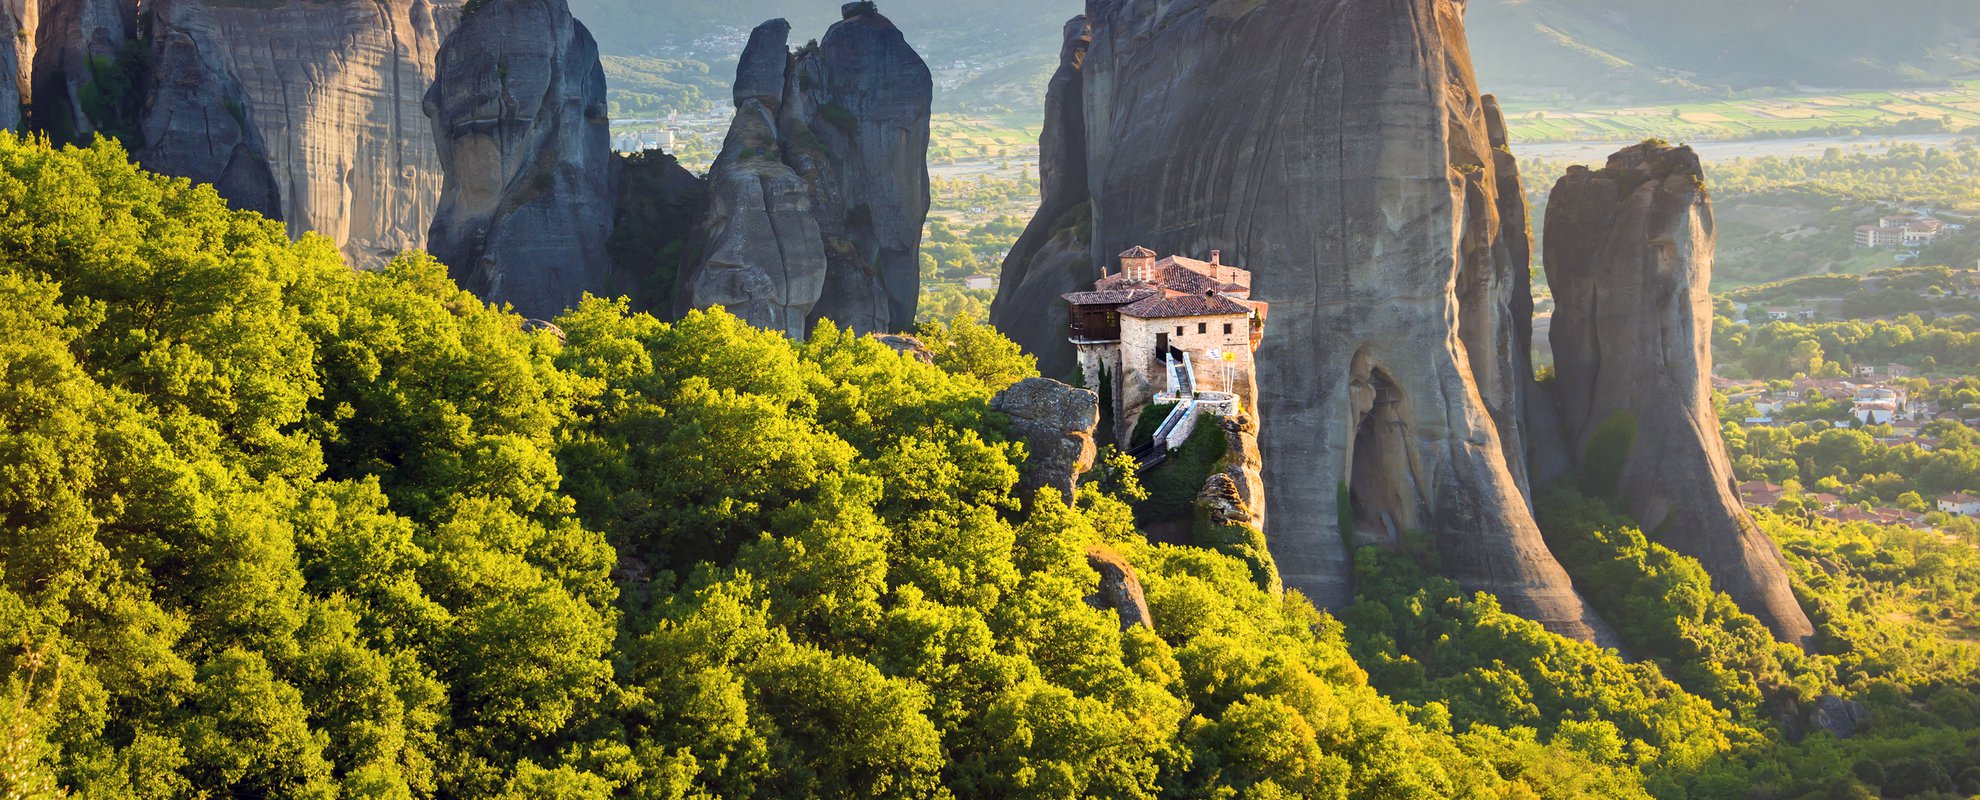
{"points": [[866, 95], [1629, 256], [196, 119], [1051, 258], [518, 110], [322, 97], [816, 203], [1340, 149], [13, 52], [336, 91], [85, 70]]}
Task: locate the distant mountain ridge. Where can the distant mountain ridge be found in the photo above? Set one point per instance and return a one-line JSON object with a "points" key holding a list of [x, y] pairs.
{"points": [[1617, 49], [1597, 50]]}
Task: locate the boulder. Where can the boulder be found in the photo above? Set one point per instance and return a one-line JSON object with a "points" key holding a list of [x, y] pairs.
{"points": [[765, 62], [1841, 718], [197, 120], [518, 111], [910, 346], [1339, 149], [1119, 590], [1056, 424], [1629, 256]]}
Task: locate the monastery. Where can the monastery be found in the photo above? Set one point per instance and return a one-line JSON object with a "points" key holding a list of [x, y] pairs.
{"points": [[1173, 330]]}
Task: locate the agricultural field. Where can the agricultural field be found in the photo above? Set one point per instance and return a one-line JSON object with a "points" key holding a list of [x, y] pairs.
{"points": [[958, 140], [1950, 109]]}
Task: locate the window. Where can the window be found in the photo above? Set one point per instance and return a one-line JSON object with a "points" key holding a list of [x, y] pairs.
{"points": [[1227, 329], [1203, 327], [1179, 330]]}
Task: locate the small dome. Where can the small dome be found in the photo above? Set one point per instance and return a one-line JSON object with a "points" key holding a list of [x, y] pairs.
{"points": [[1138, 251]]}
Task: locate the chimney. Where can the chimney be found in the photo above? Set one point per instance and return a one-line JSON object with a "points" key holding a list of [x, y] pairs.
{"points": [[1216, 258]]}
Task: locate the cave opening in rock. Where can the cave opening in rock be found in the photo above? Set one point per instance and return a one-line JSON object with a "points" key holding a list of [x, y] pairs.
{"points": [[1380, 477]]}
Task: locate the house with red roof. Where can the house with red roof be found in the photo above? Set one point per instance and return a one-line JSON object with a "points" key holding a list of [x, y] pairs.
{"points": [[1157, 318]]}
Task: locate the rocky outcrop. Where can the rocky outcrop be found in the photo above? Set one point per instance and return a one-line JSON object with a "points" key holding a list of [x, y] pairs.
{"points": [[196, 121], [1340, 149], [1831, 713], [1055, 422], [1120, 590], [910, 346], [764, 65], [518, 111], [13, 79], [1629, 256], [758, 251], [1545, 459], [321, 101], [84, 70], [1052, 258], [816, 203], [656, 204], [335, 90]]}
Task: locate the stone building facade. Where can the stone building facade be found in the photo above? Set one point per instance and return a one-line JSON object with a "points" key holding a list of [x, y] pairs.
{"points": [[1152, 312]]}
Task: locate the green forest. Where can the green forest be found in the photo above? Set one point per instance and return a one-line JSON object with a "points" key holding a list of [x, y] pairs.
{"points": [[278, 528]]}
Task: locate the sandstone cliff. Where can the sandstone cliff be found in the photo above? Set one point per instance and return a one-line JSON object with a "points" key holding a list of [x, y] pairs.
{"points": [[1629, 255], [318, 101], [13, 53], [335, 90], [816, 203], [655, 207], [195, 121], [1051, 258], [83, 77], [1340, 148], [518, 110]]}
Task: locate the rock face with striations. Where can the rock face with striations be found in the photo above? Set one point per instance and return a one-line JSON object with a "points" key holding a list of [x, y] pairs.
{"points": [[322, 97], [81, 79], [518, 110], [13, 87], [195, 120], [1340, 148], [336, 90], [1051, 258], [816, 203], [1629, 255]]}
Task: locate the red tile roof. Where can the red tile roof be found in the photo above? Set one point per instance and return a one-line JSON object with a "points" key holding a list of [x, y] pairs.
{"points": [[1185, 306]]}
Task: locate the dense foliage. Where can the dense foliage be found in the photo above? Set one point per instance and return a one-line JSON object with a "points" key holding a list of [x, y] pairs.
{"points": [[281, 529]]}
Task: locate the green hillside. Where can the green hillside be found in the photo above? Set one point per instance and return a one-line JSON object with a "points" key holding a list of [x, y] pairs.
{"points": [[277, 528]]}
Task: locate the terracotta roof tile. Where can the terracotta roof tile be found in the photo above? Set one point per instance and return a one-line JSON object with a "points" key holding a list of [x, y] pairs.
{"points": [[1184, 306]]}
